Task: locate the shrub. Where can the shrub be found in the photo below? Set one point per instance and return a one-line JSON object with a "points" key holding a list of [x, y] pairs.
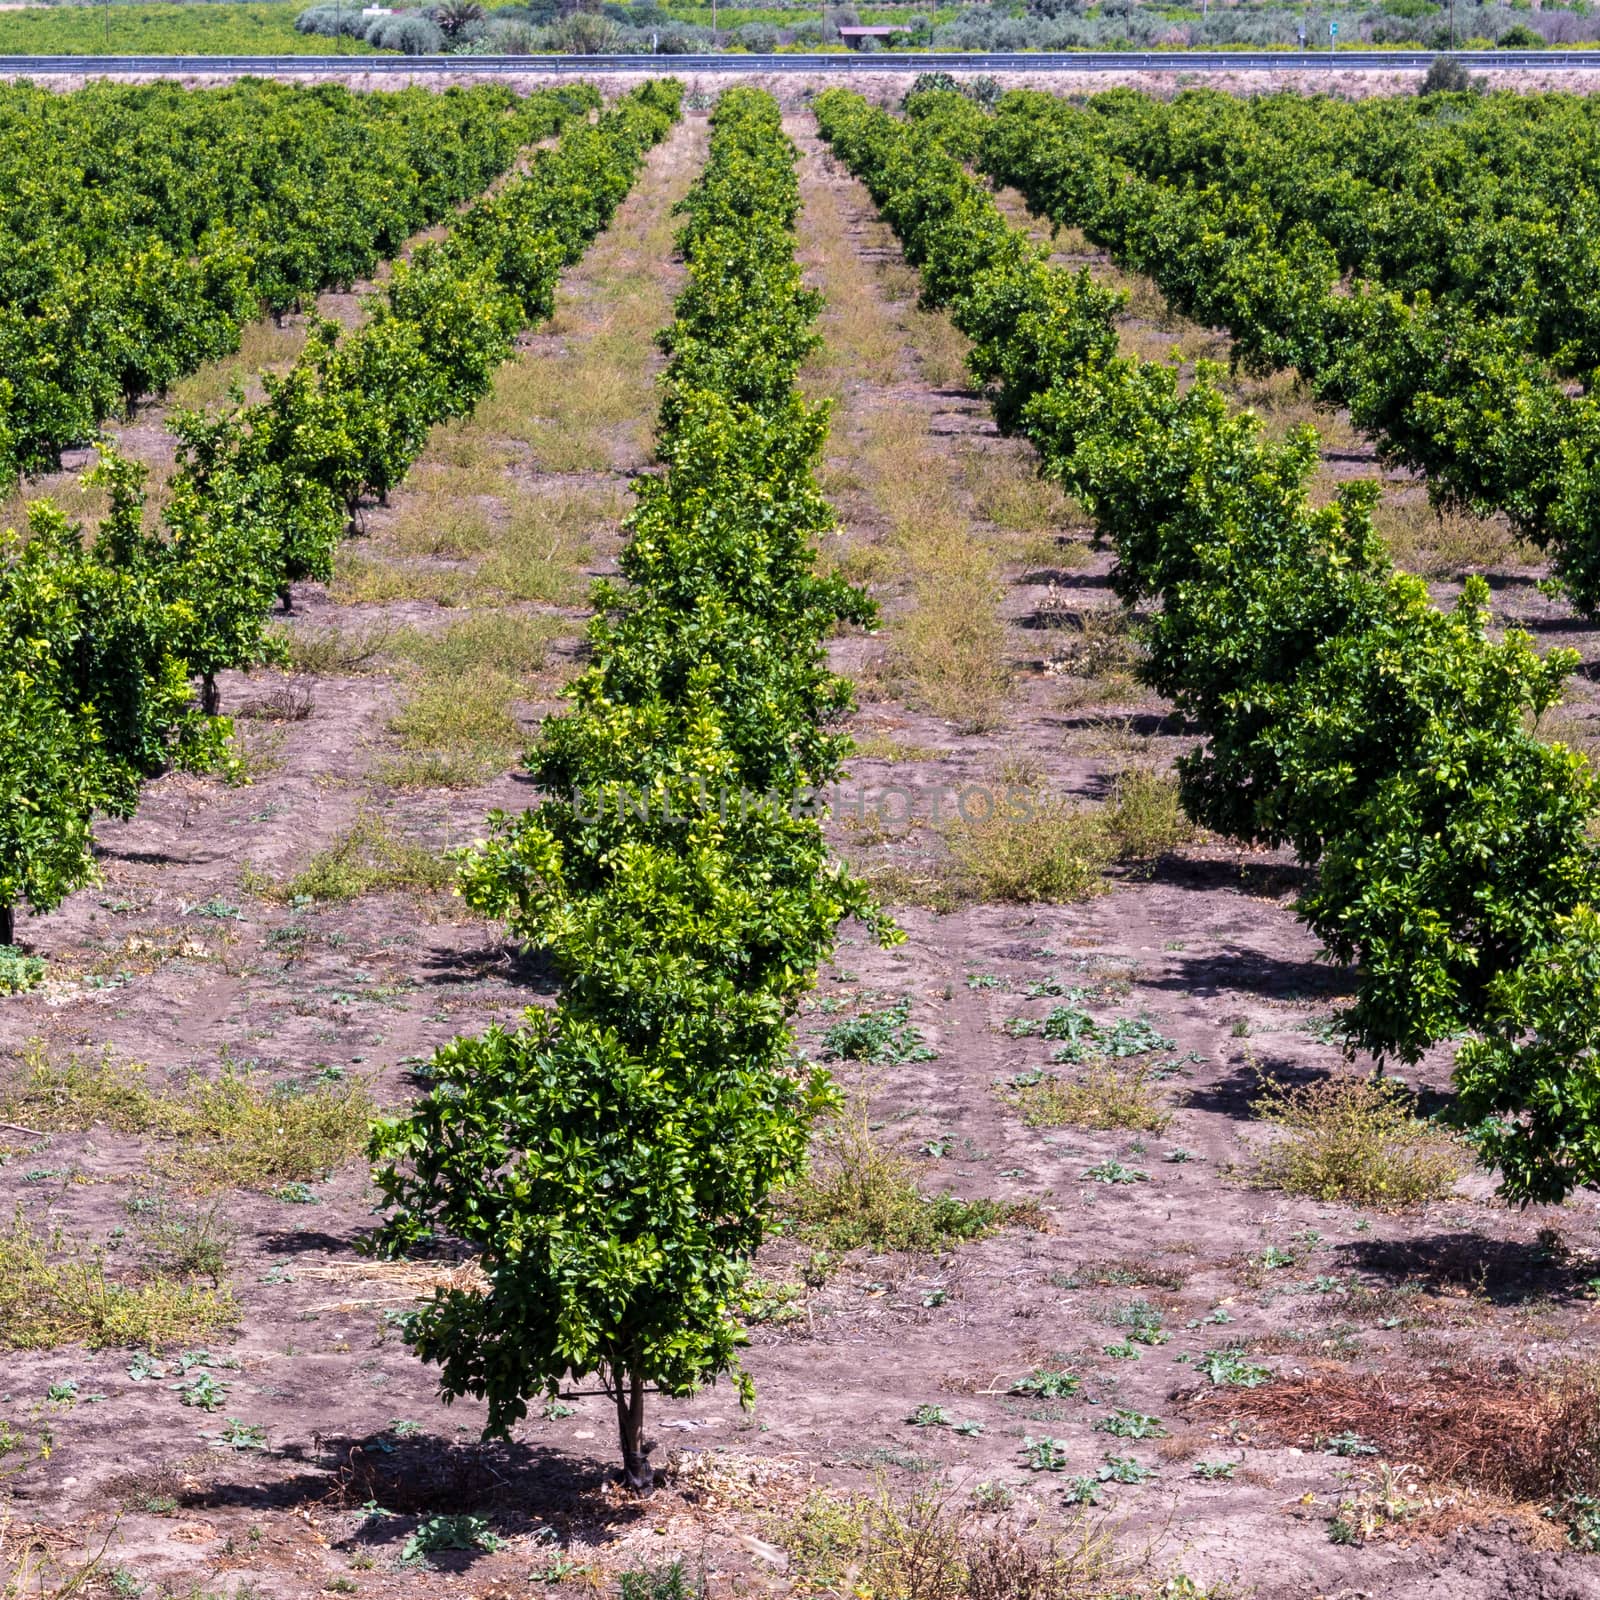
{"points": [[1356, 1139], [1446, 75], [410, 34]]}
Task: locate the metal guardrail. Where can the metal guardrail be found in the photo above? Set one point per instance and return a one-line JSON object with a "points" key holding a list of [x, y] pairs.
{"points": [[852, 61]]}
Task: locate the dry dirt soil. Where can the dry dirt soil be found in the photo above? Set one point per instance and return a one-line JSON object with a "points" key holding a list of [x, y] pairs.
{"points": [[194, 951]]}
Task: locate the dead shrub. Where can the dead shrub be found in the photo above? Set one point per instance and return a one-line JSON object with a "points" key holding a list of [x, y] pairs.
{"points": [[1526, 1434]]}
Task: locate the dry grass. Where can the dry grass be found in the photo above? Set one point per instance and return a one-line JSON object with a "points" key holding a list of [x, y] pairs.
{"points": [[1447, 543], [934, 1547], [55, 1292], [442, 524], [1145, 817], [1358, 1140], [331, 651], [235, 1130], [455, 733], [859, 1193], [362, 579], [1002, 477], [1529, 1434], [1031, 849], [514, 644], [1104, 1096], [541, 554], [369, 857], [263, 347], [859, 341], [949, 649], [1093, 650]]}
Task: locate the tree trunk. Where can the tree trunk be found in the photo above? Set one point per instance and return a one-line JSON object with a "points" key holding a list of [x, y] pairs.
{"points": [[8, 925], [286, 595], [210, 700], [637, 1472]]}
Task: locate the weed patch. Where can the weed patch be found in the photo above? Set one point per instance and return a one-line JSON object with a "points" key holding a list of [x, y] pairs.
{"points": [[369, 858], [52, 1293], [1356, 1139], [858, 1193], [1104, 1096], [1031, 851]]}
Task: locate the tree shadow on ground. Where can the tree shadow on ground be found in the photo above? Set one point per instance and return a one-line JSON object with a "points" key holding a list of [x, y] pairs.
{"points": [[1505, 1271]]}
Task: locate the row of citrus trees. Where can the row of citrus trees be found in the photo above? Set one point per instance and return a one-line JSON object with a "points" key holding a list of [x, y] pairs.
{"points": [[101, 642], [142, 227], [1345, 715], [1464, 387], [1485, 201], [611, 1158]]}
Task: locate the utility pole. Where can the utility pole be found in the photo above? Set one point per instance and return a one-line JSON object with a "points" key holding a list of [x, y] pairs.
{"points": [[1452, 24]]}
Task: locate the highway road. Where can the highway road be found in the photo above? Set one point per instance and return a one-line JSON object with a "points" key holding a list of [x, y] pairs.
{"points": [[851, 62]]}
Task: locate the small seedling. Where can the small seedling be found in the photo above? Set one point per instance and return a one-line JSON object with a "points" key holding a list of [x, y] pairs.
{"points": [[554, 1410], [296, 1194], [970, 1429], [988, 1496], [457, 1532], [1123, 1424], [1214, 1471], [1111, 1171], [1043, 1455], [1122, 1352], [935, 1297], [1124, 1469], [237, 1435], [982, 980], [1083, 1490], [938, 1148], [1348, 1444], [558, 1569], [64, 1393], [203, 1391], [1224, 1367], [1179, 1156], [404, 1428], [929, 1417], [1048, 1384]]}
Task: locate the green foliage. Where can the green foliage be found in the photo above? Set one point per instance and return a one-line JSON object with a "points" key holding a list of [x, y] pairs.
{"points": [[1048, 1383], [858, 1193], [881, 1036], [144, 225], [1124, 1424], [1229, 1368], [102, 641], [447, 1532], [19, 971], [265, 27], [1385, 740], [612, 1158]]}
